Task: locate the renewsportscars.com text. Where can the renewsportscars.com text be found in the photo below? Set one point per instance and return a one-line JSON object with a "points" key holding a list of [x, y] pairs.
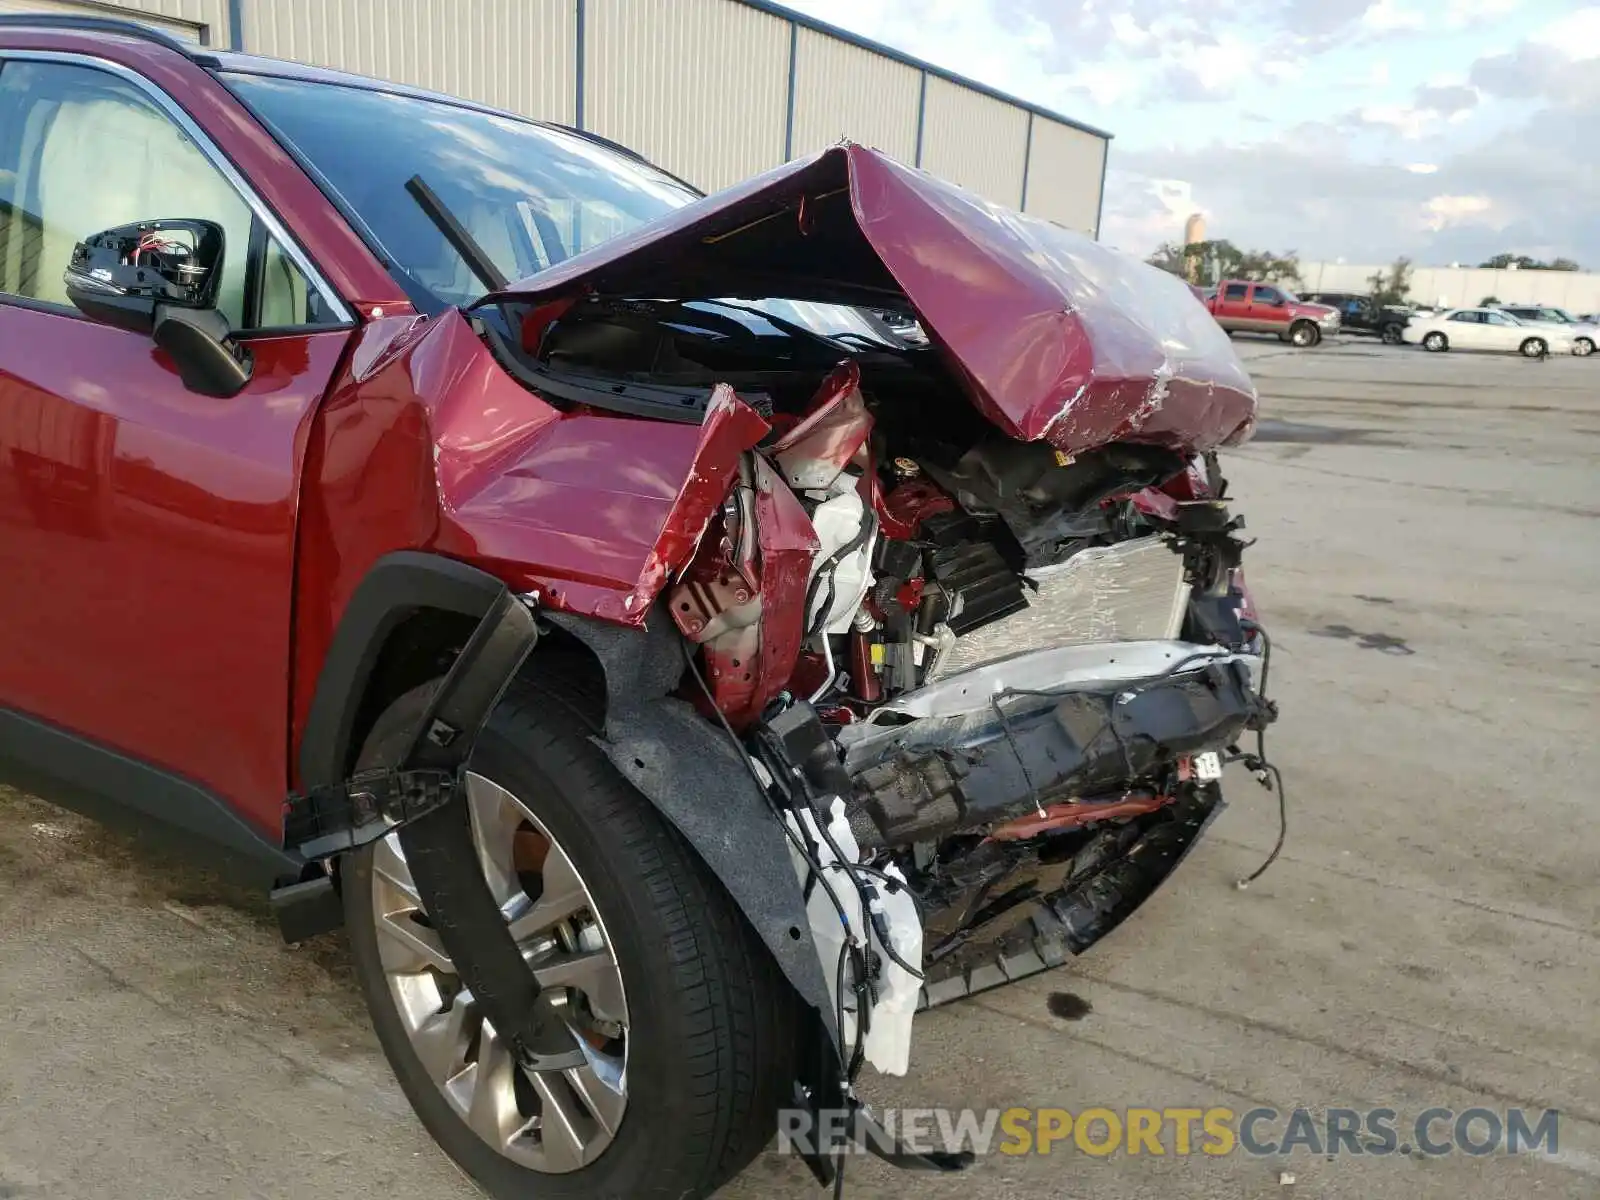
{"points": [[1100, 1132]]}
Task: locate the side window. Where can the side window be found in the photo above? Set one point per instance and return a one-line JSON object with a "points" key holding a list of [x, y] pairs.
{"points": [[1467, 318], [1235, 291], [82, 150], [1266, 295], [1495, 319]]}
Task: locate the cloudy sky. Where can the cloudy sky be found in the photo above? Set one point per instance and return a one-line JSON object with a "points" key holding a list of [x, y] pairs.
{"points": [[1363, 129]]}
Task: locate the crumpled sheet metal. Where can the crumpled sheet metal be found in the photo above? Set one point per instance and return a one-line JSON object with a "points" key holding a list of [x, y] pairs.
{"points": [[1053, 336], [592, 510]]}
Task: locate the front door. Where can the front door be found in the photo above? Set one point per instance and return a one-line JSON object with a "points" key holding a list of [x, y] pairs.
{"points": [[1266, 308], [147, 531]]}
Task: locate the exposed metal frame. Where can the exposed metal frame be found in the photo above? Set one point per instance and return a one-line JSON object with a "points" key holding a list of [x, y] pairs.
{"points": [[334, 302]]}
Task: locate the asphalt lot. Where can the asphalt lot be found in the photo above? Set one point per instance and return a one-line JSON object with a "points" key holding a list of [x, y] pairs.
{"points": [[1429, 565]]}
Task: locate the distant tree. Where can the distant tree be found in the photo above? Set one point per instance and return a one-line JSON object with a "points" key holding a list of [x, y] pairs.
{"points": [[1392, 286], [1209, 261], [1488, 301], [1524, 263]]}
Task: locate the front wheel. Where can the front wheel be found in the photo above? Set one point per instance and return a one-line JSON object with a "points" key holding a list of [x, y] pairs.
{"points": [[1391, 335], [1304, 334], [686, 1026], [1583, 347], [1436, 342], [1535, 348]]}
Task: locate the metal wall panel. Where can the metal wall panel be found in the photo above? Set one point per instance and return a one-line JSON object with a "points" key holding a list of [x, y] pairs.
{"points": [[1064, 170], [974, 140], [193, 20], [843, 91], [698, 86], [514, 54]]}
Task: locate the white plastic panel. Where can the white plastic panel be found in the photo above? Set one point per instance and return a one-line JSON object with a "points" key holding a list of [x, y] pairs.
{"points": [[843, 91], [514, 54], [697, 86], [975, 140], [192, 20], [1065, 167]]}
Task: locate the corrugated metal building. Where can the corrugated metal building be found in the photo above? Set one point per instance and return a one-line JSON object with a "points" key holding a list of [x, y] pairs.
{"points": [[713, 90]]}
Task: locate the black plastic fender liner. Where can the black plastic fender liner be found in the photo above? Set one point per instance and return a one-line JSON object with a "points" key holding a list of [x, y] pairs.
{"points": [[397, 586], [444, 860], [692, 773], [425, 796]]}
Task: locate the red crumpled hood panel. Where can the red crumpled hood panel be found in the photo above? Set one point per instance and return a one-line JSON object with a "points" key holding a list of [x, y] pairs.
{"points": [[1052, 335]]}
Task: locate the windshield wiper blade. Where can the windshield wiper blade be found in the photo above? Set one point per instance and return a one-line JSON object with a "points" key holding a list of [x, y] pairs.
{"points": [[464, 244]]}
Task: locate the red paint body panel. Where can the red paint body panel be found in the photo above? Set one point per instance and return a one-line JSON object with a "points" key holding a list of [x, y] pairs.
{"points": [[1052, 336], [426, 443], [149, 538]]}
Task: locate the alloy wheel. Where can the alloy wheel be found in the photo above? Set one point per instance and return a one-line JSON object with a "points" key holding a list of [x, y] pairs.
{"points": [[550, 1121], [1583, 347]]}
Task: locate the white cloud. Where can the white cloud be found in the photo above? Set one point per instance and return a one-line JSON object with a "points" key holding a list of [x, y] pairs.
{"points": [[1389, 16], [1576, 35], [1421, 168], [1410, 123], [1441, 212]]}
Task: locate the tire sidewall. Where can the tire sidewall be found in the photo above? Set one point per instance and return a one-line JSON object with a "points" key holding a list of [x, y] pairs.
{"points": [[634, 1163], [1436, 342]]}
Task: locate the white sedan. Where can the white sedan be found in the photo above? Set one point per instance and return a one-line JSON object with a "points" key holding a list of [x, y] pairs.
{"points": [[1486, 329], [1585, 334]]}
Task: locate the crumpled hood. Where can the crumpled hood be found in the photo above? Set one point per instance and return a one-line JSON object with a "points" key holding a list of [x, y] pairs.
{"points": [[1052, 335]]}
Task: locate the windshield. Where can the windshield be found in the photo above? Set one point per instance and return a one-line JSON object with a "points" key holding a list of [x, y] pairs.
{"points": [[530, 195]]}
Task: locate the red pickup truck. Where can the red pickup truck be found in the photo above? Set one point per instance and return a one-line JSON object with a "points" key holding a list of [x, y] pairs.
{"points": [[1244, 307]]}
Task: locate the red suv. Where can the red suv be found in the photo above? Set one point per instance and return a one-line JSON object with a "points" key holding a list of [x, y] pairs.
{"points": [[670, 676]]}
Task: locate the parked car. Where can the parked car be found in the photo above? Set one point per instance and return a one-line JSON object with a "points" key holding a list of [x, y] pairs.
{"points": [[1358, 314], [500, 551], [1487, 329], [1585, 333], [1241, 306]]}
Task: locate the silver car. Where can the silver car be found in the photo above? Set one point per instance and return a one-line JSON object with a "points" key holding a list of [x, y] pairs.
{"points": [[1585, 333]]}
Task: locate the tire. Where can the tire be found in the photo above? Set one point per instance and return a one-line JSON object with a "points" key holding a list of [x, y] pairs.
{"points": [[1583, 347], [1534, 348], [1436, 342], [710, 1026], [1304, 334], [1391, 335]]}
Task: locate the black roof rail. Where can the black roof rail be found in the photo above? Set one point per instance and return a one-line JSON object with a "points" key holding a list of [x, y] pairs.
{"points": [[96, 25]]}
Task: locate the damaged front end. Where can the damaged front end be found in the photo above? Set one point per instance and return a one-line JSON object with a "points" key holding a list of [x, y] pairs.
{"points": [[938, 644]]}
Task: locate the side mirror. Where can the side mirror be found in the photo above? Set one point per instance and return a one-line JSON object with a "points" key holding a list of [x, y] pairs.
{"points": [[160, 278]]}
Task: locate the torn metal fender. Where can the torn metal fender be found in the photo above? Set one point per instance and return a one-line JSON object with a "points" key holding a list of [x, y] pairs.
{"points": [[689, 769]]}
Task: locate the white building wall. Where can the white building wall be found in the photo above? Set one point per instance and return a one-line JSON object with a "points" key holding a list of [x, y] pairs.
{"points": [[974, 140], [1463, 287], [513, 54], [699, 86], [844, 91], [192, 20], [1066, 167]]}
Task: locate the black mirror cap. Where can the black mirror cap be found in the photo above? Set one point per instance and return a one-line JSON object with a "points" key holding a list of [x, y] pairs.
{"points": [[118, 276], [197, 341]]}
